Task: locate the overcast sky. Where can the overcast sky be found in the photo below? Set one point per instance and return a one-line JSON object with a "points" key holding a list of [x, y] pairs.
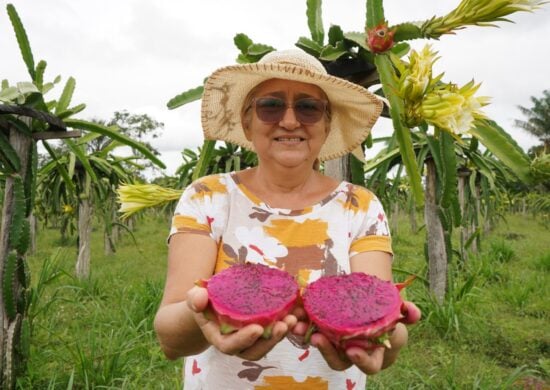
{"points": [[136, 55]]}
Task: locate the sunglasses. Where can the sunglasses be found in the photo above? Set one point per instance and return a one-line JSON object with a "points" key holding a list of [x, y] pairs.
{"points": [[308, 111]]}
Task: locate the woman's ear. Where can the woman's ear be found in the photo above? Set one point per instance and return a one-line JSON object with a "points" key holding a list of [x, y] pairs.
{"points": [[245, 123]]}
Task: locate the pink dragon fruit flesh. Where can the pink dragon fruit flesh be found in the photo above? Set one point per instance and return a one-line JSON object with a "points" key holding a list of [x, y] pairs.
{"points": [[354, 309], [250, 294]]}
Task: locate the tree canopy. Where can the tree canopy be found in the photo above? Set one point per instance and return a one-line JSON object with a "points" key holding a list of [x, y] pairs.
{"points": [[538, 119]]}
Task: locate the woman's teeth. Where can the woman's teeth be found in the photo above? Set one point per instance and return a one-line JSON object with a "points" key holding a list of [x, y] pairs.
{"points": [[288, 139]]}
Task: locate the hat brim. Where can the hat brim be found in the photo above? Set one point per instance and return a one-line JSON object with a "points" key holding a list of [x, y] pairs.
{"points": [[354, 109]]}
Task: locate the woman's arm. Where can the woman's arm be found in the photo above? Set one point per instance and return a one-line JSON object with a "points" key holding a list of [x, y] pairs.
{"points": [[181, 327], [190, 257]]}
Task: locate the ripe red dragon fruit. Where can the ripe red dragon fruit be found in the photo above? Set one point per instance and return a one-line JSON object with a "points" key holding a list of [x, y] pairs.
{"points": [[354, 309], [380, 38], [250, 294]]}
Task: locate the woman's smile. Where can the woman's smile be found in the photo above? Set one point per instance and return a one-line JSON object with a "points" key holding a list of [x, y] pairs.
{"points": [[290, 140]]}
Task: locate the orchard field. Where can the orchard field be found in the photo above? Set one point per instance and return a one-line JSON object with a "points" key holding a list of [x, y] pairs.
{"points": [[80, 317], [490, 333]]}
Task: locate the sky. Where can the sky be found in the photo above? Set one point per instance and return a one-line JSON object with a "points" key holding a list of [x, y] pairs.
{"points": [[136, 55]]}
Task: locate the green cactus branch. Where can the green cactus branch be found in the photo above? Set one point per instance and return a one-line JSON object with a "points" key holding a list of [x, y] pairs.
{"points": [[387, 77]]}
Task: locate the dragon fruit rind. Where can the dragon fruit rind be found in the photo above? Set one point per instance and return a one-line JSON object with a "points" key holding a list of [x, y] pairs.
{"points": [[355, 309], [250, 294]]}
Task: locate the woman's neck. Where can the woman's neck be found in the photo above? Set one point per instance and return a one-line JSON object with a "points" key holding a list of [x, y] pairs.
{"points": [[287, 188], [283, 180]]}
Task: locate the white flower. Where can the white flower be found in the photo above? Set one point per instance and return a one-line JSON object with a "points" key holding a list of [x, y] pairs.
{"points": [[453, 109], [260, 247], [214, 210]]}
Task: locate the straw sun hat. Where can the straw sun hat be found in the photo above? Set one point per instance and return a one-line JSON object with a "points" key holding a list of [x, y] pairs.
{"points": [[353, 108]]}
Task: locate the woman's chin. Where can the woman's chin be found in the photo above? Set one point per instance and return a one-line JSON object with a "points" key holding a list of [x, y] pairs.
{"points": [[292, 159]]}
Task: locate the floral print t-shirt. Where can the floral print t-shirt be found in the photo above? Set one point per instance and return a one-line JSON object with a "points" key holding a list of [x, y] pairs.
{"points": [[308, 243]]}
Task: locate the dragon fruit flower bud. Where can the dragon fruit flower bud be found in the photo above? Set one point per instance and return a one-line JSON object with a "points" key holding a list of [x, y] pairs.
{"points": [[418, 75], [136, 197], [477, 13], [380, 38], [453, 109]]}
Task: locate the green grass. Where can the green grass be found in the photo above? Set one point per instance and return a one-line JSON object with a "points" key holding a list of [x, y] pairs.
{"points": [[98, 333], [490, 333], [492, 330]]}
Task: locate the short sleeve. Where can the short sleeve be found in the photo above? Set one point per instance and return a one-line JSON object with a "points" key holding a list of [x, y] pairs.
{"points": [[202, 208], [370, 230]]}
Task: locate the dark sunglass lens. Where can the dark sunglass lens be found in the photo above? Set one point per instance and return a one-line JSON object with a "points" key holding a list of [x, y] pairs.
{"points": [[309, 111], [270, 110]]}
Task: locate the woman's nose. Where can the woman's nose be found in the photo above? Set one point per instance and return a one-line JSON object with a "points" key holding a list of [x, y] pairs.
{"points": [[289, 120]]}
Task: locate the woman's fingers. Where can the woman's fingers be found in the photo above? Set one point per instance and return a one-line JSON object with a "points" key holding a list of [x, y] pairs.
{"points": [[197, 299], [246, 342], [337, 361], [300, 329], [290, 321], [234, 343], [368, 361], [262, 346], [411, 312]]}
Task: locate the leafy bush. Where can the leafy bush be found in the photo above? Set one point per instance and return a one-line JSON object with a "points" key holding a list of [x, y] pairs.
{"points": [[449, 317], [501, 251]]}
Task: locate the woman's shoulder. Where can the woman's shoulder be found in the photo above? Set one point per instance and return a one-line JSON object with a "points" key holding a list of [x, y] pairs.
{"points": [[356, 189], [358, 194], [215, 184]]}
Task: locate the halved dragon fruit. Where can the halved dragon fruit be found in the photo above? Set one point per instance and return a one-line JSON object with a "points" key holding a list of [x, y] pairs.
{"points": [[354, 309], [250, 294]]}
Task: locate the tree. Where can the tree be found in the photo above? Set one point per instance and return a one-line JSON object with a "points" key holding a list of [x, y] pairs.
{"points": [[224, 157], [138, 127], [538, 119]]}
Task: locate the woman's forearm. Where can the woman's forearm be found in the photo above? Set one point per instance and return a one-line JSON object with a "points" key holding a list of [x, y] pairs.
{"points": [[177, 331]]}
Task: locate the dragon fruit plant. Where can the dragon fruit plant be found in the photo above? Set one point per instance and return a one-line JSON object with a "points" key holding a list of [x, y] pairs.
{"points": [[354, 309], [249, 293]]}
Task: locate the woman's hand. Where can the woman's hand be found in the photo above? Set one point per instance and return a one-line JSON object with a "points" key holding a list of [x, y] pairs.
{"points": [[369, 361], [246, 342]]}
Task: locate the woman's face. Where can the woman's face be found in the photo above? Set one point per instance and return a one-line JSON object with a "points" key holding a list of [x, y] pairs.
{"points": [[288, 141]]}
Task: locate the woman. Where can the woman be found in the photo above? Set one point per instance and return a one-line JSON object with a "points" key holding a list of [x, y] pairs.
{"points": [[283, 213]]}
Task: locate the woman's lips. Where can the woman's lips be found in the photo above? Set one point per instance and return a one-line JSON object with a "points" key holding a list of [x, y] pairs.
{"points": [[289, 139]]}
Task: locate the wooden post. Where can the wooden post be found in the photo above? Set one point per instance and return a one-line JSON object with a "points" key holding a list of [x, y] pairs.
{"points": [[338, 168], [463, 175], [394, 222], [84, 237], [437, 254], [33, 223], [412, 215]]}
